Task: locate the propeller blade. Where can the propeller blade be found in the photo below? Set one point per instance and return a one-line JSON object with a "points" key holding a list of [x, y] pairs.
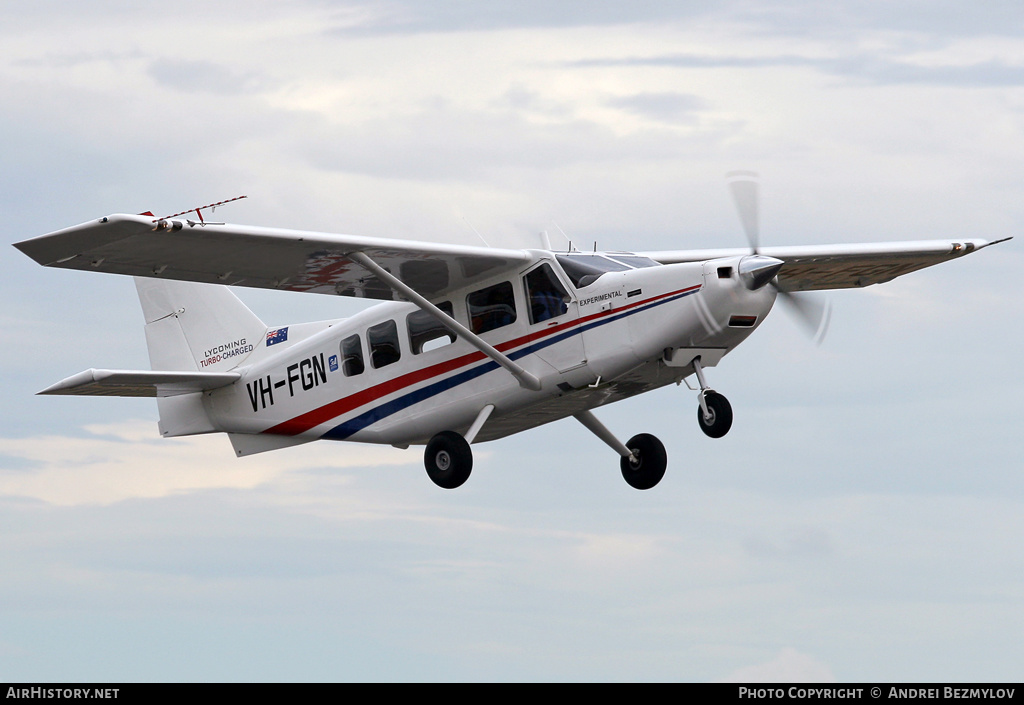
{"points": [[812, 314], [743, 185]]}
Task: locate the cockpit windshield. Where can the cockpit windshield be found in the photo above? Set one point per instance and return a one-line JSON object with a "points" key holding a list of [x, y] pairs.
{"points": [[583, 270], [636, 261]]}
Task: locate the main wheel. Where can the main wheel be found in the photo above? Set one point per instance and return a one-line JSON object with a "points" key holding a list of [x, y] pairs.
{"points": [[649, 467], [721, 415], [448, 460]]}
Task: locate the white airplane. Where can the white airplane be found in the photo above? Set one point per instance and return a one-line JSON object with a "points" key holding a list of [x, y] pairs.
{"points": [[476, 344]]}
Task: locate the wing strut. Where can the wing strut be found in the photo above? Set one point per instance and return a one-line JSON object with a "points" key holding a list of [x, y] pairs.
{"points": [[526, 380]]}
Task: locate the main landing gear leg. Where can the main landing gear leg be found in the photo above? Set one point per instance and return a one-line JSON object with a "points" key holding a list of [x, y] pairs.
{"points": [[643, 458], [714, 413]]}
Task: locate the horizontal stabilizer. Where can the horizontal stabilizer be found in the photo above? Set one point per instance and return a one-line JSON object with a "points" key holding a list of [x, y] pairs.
{"points": [[140, 383]]}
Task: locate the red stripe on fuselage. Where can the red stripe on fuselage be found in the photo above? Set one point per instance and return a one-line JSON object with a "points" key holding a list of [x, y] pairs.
{"points": [[323, 414]]}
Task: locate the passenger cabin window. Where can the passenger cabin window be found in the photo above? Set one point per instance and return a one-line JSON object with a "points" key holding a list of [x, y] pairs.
{"points": [[426, 332], [584, 270], [548, 298], [383, 339], [352, 356], [490, 308]]}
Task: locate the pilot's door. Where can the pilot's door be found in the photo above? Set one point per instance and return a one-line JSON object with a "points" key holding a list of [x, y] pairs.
{"points": [[554, 323]]}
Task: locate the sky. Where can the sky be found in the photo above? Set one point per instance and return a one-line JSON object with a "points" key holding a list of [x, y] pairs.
{"points": [[862, 521]]}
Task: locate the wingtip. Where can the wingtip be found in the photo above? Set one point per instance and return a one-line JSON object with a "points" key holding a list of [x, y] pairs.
{"points": [[83, 377], [995, 242]]}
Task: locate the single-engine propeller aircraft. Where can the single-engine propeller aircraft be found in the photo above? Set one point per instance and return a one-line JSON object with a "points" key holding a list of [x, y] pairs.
{"points": [[475, 344]]}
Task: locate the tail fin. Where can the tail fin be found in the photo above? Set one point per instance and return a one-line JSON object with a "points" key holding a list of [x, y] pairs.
{"points": [[192, 326]]}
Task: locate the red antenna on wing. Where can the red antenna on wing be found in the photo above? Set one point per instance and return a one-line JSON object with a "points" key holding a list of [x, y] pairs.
{"points": [[199, 211]]}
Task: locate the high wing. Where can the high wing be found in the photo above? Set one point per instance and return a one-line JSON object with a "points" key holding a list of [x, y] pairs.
{"points": [[841, 266], [139, 383], [294, 260], [288, 260], [268, 258]]}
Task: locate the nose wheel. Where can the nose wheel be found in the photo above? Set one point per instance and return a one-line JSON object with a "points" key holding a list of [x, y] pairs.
{"points": [[714, 415]]}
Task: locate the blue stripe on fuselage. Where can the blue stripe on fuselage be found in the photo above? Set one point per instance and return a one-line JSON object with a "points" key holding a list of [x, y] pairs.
{"points": [[382, 411]]}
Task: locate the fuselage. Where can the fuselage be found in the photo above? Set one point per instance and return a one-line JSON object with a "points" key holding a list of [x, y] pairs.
{"points": [[592, 328]]}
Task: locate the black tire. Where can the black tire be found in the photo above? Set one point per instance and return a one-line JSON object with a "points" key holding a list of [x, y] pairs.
{"points": [[649, 468], [721, 415], [448, 460]]}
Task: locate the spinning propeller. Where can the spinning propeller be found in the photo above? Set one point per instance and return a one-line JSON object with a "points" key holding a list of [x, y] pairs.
{"points": [[812, 314]]}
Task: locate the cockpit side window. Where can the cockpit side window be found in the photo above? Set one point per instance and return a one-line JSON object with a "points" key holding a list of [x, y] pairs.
{"points": [[547, 296], [584, 270], [491, 308], [383, 339], [426, 332], [352, 356]]}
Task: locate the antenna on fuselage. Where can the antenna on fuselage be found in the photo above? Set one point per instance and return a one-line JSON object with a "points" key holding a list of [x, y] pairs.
{"points": [[476, 231], [569, 249], [470, 225]]}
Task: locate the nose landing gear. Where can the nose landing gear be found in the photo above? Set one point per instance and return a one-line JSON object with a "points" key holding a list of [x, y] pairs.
{"points": [[714, 415]]}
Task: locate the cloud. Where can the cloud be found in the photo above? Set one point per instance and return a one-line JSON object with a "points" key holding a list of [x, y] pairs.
{"points": [[664, 107], [470, 145], [872, 68], [788, 666], [411, 16], [205, 77], [804, 542], [121, 461], [793, 18]]}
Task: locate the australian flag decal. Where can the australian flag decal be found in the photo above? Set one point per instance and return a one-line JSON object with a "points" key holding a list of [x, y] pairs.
{"points": [[277, 336]]}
